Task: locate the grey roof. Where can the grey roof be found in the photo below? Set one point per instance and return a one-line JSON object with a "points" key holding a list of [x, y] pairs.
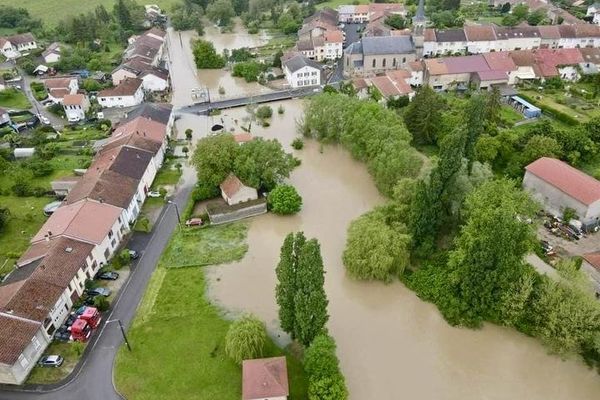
{"points": [[154, 111], [22, 273], [299, 61], [387, 45], [131, 162], [354, 48], [451, 35]]}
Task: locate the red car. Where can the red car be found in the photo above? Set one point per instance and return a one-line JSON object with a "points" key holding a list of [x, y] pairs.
{"points": [[193, 222]]}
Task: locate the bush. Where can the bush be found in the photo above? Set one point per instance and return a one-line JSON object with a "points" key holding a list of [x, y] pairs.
{"points": [[39, 167], [101, 303], [249, 70], [264, 112], [204, 192], [298, 144], [121, 259], [284, 199], [280, 110], [322, 367], [245, 339], [142, 224]]}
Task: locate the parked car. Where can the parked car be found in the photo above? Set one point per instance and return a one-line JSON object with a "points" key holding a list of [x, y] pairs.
{"points": [[62, 334], [154, 193], [107, 275], [79, 311], [193, 222], [51, 361], [70, 320], [547, 247], [99, 291], [51, 207], [133, 254]]}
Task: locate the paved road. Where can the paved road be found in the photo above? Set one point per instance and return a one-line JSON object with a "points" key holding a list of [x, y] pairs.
{"points": [[202, 108], [37, 107], [94, 379]]}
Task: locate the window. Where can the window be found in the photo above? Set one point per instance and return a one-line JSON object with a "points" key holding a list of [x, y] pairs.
{"points": [[403, 60], [106, 253], [36, 343], [384, 62], [299, 83], [23, 361], [374, 63], [394, 62], [110, 234]]}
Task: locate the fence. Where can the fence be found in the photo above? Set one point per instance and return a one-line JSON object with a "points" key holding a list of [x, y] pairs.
{"points": [[223, 214]]}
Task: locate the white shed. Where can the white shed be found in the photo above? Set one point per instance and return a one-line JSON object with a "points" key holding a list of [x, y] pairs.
{"points": [[235, 192], [24, 152]]}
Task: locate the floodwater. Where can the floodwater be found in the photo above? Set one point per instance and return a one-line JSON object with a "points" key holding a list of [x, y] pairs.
{"points": [[391, 344], [186, 78]]}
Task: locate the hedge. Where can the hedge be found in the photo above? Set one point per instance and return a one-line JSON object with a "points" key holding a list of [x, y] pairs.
{"points": [[552, 112]]}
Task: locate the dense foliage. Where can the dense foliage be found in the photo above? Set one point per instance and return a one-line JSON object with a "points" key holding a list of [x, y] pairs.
{"points": [[19, 18], [206, 56], [321, 364], [284, 199], [370, 132], [249, 70], [4, 216], [299, 292], [258, 163], [245, 339]]}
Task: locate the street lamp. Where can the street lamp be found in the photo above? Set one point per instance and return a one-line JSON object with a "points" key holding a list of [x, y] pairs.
{"points": [[176, 210], [122, 332]]}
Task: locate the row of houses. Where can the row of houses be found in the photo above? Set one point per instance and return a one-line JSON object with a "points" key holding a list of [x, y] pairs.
{"points": [[79, 238], [320, 38], [14, 46], [364, 13]]}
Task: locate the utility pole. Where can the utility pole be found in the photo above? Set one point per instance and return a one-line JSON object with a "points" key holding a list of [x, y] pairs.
{"points": [[122, 332], [177, 211]]}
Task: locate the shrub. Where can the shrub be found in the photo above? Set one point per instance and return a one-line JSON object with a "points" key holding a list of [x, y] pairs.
{"points": [[322, 367], [245, 339], [264, 112], [298, 144], [249, 70], [101, 303], [188, 134], [142, 224], [204, 192], [280, 110], [284, 199], [121, 259]]}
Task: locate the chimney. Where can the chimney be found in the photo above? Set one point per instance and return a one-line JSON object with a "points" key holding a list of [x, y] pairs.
{"points": [[69, 249]]}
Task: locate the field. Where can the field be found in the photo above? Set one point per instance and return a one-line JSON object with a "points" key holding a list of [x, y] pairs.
{"points": [[53, 11], [12, 98], [576, 107], [335, 3], [178, 335]]}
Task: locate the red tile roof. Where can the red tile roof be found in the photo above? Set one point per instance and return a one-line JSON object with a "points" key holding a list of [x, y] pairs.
{"points": [[20, 333], [567, 179], [73, 99], [127, 87], [264, 378], [500, 61], [231, 185], [146, 127], [593, 259]]}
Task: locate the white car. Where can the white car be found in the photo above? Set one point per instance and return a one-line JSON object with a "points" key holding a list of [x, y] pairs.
{"points": [[44, 120], [73, 119], [51, 361], [154, 193]]}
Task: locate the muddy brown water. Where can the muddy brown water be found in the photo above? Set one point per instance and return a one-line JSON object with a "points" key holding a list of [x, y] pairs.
{"points": [[391, 344]]}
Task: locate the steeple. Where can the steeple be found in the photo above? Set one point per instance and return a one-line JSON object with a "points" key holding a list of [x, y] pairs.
{"points": [[419, 23], [419, 18]]}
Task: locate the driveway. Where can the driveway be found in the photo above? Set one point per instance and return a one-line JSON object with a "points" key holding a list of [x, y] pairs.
{"points": [[37, 107]]}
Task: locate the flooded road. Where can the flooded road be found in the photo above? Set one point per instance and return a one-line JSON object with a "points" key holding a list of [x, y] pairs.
{"points": [[391, 344], [185, 77]]}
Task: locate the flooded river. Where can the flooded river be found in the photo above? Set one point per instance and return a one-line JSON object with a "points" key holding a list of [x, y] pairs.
{"points": [[391, 344]]}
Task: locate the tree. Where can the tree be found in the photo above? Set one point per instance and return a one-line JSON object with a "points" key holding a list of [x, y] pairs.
{"points": [[505, 8], [322, 368], [245, 339], [187, 16], [188, 134], [249, 70], [398, 102], [123, 15], [277, 59], [536, 17], [264, 112], [262, 163], [423, 116], [206, 56], [520, 11], [540, 146], [396, 21], [310, 299], [375, 250], [328, 388], [284, 199], [488, 257], [285, 290], [213, 158], [4, 217], [220, 12]]}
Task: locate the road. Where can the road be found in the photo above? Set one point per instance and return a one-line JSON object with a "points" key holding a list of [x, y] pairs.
{"points": [[37, 107], [93, 378], [202, 108]]}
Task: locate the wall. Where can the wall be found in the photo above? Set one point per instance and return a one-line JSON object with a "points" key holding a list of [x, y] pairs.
{"points": [[402, 61], [120, 75], [123, 101], [238, 214], [18, 372], [244, 194], [593, 274], [154, 84]]}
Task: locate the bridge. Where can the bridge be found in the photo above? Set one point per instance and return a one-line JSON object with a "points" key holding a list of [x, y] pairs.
{"points": [[206, 107]]}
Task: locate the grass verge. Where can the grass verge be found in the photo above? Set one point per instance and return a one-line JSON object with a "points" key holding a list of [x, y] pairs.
{"points": [[13, 98], [178, 335], [70, 351]]}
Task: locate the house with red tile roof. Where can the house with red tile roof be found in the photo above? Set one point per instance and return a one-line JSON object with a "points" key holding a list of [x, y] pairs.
{"points": [[265, 379], [557, 186], [129, 92], [60, 87], [75, 106], [235, 192]]}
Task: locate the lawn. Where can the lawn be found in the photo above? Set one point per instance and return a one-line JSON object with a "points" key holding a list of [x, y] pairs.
{"points": [[25, 220], [335, 3], [70, 351], [12, 98], [54, 11], [576, 107], [206, 245], [168, 174], [178, 335]]}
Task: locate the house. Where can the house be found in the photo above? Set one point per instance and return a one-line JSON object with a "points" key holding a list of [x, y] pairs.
{"points": [[159, 112], [480, 39], [13, 46], [126, 94], [557, 186], [52, 53], [25, 345], [549, 36], [265, 379], [300, 71], [154, 78], [517, 38], [353, 13], [393, 84], [63, 185], [58, 88], [155, 131], [444, 73], [241, 138], [333, 44], [4, 116], [379, 54], [234, 191], [444, 42], [591, 266], [75, 106]]}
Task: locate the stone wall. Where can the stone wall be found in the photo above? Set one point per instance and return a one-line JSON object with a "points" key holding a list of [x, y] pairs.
{"points": [[222, 216]]}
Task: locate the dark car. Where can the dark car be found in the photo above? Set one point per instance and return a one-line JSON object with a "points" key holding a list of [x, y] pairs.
{"points": [[80, 310], [51, 361], [99, 291], [107, 275], [62, 334], [70, 320], [134, 254]]}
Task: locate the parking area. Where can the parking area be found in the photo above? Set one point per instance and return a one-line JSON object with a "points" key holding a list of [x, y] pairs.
{"points": [[570, 248]]}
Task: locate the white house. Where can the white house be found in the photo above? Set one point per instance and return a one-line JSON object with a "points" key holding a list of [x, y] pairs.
{"points": [[52, 53], [58, 88], [265, 379], [128, 93], [13, 46], [75, 106], [480, 39], [234, 191], [154, 79], [300, 71]]}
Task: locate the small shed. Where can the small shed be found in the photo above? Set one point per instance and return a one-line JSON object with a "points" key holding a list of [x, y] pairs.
{"points": [[528, 109], [235, 192], [24, 152], [265, 379]]}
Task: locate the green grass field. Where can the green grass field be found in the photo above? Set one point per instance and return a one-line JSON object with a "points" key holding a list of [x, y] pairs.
{"points": [[53, 11], [178, 335], [12, 98], [335, 3]]}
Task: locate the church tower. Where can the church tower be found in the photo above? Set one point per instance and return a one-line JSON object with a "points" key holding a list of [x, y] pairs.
{"points": [[419, 22]]}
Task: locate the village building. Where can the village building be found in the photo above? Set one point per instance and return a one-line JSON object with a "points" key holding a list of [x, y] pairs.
{"points": [[378, 54], [591, 266], [300, 71], [59, 87], [265, 379], [52, 53], [558, 186], [235, 192], [75, 106], [13, 46], [126, 94], [155, 79]]}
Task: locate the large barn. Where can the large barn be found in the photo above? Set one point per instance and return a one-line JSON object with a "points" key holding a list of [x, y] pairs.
{"points": [[557, 186]]}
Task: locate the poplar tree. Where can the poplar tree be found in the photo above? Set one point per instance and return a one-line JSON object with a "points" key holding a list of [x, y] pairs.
{"points": [[286, 286], [310, 299]]}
